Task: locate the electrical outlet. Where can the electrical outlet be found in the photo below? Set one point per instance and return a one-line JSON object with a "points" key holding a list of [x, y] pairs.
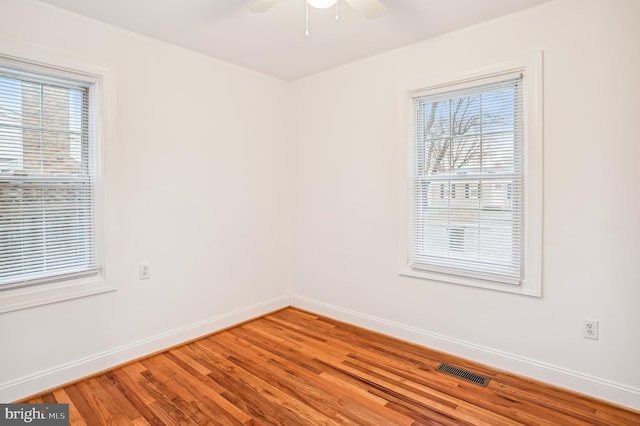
{"points": [[590, 329], [145, 273]]}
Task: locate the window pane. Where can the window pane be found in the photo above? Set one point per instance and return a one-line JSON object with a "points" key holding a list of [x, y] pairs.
{"points": [[467, 208], [46, 180], [436, 123], [466, 153]]}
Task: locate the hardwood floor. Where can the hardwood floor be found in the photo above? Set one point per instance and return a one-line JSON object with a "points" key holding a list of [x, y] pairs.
{"points": [[296, 368]]}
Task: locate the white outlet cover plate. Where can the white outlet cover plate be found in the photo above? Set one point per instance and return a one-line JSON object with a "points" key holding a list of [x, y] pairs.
{"points": [[590, 329]]}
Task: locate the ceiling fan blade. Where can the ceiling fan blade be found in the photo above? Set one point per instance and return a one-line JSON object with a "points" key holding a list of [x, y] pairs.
{"points": [[263, 5], [369, 8]]}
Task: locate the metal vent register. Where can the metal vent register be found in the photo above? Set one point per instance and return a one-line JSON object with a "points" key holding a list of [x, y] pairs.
{"points": [[463, 374]]}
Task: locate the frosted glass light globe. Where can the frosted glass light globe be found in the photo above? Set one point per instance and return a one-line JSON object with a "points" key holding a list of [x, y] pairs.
{"points": [[321, 4]]}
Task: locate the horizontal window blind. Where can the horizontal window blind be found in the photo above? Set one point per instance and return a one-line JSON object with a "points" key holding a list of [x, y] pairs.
{"points": [[468, 181], [47, 178]]}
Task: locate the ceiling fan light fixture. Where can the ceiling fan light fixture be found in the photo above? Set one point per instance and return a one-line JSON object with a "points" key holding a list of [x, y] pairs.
{"points": [[321, 4]]}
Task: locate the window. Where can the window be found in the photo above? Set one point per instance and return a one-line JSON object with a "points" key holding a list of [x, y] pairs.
{"points": [[479, 136], [48, 176]]}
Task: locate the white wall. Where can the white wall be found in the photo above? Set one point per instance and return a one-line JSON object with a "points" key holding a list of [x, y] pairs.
{"points": [[349, 202], [196, 184]]}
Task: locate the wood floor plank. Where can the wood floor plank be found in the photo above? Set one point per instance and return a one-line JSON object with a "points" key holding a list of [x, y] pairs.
{"points": [[75, 418], [274, 405], [308, 386], [297, 368], [129, 388], [214, 405]]}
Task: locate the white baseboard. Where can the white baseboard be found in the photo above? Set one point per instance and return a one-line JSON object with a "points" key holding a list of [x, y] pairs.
{"points": [[62, 374], [579, 382]]}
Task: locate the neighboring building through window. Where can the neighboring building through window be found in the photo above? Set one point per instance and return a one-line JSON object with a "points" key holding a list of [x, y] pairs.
{"points": [[468, 178], [48, 175]]}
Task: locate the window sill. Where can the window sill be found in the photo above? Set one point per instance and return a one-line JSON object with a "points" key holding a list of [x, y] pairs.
{"points": [[27, 297], [525, 288]]}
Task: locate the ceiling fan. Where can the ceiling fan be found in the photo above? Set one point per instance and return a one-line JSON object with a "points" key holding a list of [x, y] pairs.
{"points": [[369, 8]]}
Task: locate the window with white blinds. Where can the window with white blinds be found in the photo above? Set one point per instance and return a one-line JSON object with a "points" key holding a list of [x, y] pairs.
{"points": [[47, 176], [468, 180]]}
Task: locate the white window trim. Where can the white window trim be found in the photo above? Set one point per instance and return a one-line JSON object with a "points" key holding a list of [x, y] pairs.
{"points": [[530, 65], [12, 299]]}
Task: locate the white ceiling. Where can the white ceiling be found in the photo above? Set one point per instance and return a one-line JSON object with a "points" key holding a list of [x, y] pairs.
{"points": [[274, 42]]}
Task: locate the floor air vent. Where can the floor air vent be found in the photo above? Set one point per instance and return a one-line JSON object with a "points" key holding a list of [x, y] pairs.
{"points": [[463, 374]]}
